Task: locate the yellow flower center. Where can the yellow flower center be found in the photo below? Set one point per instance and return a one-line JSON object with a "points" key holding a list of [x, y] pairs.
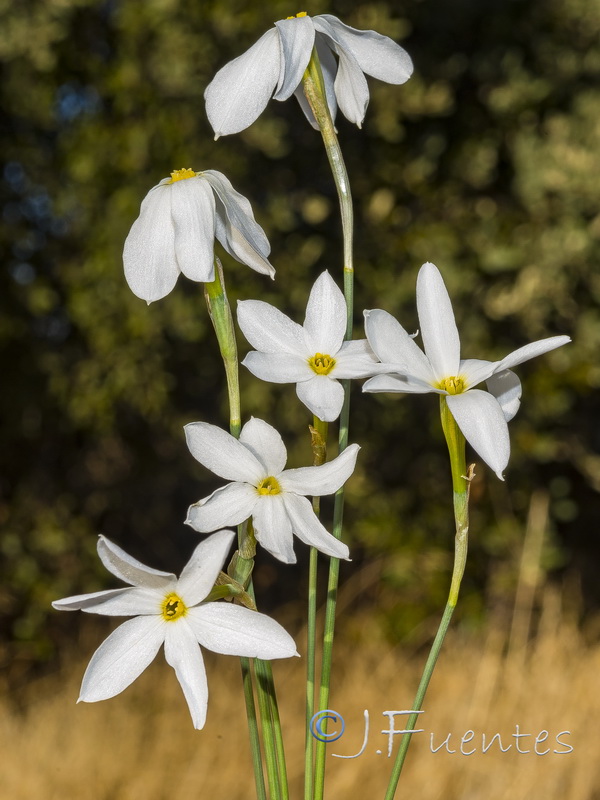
{"points": [[181, 175], [298, 15], [453, 385], [321, 364], [173, 607], [269, 485]]}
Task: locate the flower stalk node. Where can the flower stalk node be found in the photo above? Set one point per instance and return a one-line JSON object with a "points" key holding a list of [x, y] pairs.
{"points": [[318, 443], [240, 567]]}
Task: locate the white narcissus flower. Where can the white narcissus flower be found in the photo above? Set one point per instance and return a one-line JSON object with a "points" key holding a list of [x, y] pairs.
{"points": [[275, 64], [176, 229], [171, 611], [275, 498], [313, 356], [482, 416]]}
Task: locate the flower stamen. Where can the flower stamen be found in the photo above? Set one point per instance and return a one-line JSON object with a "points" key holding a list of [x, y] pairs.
{"points": [[321, 364], [181, 175], [453, 385], [173, 607], [298, 15], [269, 485]]}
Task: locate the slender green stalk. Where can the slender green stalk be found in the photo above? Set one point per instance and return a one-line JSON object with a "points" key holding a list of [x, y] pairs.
{"points": [[268, 730], [220, 314], [328, 634], [319, 447], [460, 485], [257, 766], [264, 671], [314, 89], [241, 569]]}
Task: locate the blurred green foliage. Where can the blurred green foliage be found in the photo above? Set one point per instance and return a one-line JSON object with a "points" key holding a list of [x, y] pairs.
{"points": [[485, 163]]}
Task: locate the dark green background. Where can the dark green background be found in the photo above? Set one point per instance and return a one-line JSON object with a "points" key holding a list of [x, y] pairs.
{"points": [[485, 162]]}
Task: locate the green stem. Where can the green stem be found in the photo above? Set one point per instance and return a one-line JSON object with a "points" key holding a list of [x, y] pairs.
{"points": [[268, 729], [314, 89], [259, 780], [264, 668], [220, 314], [328, 634], [460, 484], [319, 447], [243, 562]]}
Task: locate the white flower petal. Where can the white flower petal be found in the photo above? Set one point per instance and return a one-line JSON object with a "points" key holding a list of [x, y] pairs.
{"points": [[325, 321], [322, 395], [230, 505], [128, 602], [531, 351], [357, 347], [193, 213], [351, 89], [278, 367], [350, 84], [376, 55], [241, 89], [296, 38], [151, 268], [269, 330], [438, 328], [129, 569], [237, 244], [266, 444], [273, 528], [475, 370], [506, 388], [200, 573], [326, 479], [308, 529], [122, 657], [356, 359], [237, 631], [183, 654], [221, 453], [398, 383], [85, 602], [235, 226], [239, 210], [480, 418], [393, 345]]}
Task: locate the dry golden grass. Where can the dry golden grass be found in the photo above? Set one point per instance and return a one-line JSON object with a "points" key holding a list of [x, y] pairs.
{"points": [[141, 745]]}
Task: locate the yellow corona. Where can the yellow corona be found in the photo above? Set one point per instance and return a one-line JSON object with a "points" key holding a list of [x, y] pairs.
{"points": [[173, 607], [321, 364], [181, 175], [269, 485]]}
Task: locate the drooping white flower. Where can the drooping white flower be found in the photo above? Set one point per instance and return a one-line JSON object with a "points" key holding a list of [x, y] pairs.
{"points": [[275, 498], [313, 356], [275, 64], [176, 229], [481, 416], [171, 611]]}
